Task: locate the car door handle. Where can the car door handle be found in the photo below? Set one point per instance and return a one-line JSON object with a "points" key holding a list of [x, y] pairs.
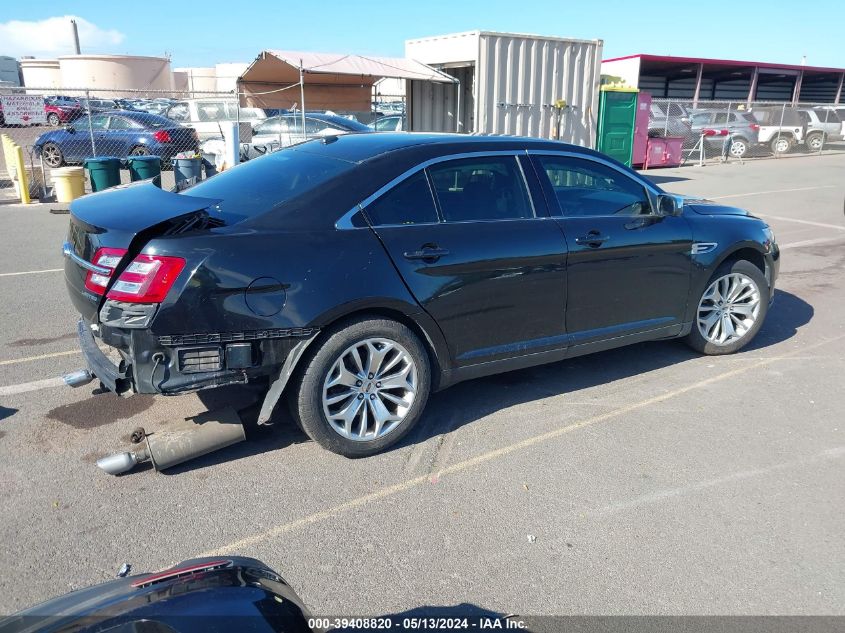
{"points": [[426, 253], [593, 238]]}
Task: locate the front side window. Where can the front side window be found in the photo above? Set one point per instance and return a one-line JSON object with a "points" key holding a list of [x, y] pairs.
{"points": [[485, 188], [409, 202], [588, 188], [96, 122]]}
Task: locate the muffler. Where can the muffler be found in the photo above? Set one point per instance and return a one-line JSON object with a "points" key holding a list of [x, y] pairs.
{"points": [[204, 434], [78, 378]]}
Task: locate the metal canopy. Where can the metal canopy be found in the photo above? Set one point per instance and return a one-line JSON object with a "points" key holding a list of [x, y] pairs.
{"points": [[328, 80]]}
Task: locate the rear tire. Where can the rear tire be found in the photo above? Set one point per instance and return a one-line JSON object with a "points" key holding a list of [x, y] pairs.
{"points": [[373, 372], [731, 309], [782, 145], [139, 150], [738, 148]]}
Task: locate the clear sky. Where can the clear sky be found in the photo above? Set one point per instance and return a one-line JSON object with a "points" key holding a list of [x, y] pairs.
{"points": [[205, 32]]}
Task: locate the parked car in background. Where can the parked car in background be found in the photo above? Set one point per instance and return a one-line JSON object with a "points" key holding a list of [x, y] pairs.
{"points": [[669, 119], [781, 127], [284, 130], [742, 128], [821, 125], [389, 123], [61, 111], [94, 106], [352, 275], [119, 133], [205, 115], [198, 595]]}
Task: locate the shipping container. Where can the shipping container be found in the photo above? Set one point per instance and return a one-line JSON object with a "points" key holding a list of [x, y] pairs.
{"points": [[506, 83]]}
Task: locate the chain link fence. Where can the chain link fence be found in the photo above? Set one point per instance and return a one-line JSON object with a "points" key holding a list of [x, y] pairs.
{"points": [[738, 130], [83, 123]]}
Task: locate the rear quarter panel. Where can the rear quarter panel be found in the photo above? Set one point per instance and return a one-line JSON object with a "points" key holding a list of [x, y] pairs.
{"points": [[324, 274]]}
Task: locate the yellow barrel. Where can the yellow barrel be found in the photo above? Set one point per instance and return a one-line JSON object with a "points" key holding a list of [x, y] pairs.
{"points": [[70, 183]]}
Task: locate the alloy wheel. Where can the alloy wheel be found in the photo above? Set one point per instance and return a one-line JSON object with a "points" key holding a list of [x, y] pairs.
{"points": [[728, 309], [52, 155], [738, 148], [370, 389], [815, 143]]}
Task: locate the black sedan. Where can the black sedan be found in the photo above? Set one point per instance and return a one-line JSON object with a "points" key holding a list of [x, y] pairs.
{"points": [[354, 275]]}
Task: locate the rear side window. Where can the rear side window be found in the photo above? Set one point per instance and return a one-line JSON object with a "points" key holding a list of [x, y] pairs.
{"points": [[259, 185], [587, 188], [487, 188], [409, 202]]}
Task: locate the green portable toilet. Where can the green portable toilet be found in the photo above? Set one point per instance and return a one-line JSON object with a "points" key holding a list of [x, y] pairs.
{"points": [[617, 119]]}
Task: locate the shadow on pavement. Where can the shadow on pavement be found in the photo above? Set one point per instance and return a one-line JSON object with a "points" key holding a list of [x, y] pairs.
{"points": [[466, 402], [659, 180]]}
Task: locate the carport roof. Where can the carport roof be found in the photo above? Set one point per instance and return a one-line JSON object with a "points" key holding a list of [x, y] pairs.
{"points": [[668, 61], [330, 80], [358, 65]]}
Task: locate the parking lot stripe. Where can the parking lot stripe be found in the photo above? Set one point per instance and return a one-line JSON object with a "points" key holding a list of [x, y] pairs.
{"points": [[819, 224], [389, 491], [32, 272], [26, 359], [34, 385], [821, 240], [763, 193]]}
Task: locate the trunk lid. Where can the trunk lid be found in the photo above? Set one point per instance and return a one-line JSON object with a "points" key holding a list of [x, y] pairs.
{"points": [[124, 217]]}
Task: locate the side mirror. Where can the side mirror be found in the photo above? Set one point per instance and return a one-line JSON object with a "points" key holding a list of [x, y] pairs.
{"points": [[669, 205], [70, 128]]}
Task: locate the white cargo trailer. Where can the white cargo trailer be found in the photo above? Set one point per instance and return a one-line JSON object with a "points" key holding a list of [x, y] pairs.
{"points": [[506, 83]]}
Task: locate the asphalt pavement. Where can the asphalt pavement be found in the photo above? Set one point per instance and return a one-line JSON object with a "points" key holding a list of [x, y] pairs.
{"points": [[644, 480]]}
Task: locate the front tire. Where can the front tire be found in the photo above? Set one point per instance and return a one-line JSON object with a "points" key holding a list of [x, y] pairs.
{"points": [[731, 309], [52, 155], [815, 141], [363, 388], [53, 119]]}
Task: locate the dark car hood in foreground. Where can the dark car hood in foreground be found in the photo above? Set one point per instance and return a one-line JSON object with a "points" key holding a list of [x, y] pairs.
{"points": [[702, 206], [236, 594]]}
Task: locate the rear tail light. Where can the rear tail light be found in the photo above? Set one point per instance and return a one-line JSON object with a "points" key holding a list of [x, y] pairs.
{"points": [[147, 279], [107, 258], [162, 136], [755, 127]]}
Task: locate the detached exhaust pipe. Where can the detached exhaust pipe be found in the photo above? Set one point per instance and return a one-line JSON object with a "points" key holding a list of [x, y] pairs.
{"points": [[78, 378], [204, 434]]}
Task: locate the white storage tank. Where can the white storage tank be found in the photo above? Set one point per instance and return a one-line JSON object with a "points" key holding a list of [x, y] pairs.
{"points": [[113, 74], [509, 84], [202, 78], [41, 74], [227, 75]]}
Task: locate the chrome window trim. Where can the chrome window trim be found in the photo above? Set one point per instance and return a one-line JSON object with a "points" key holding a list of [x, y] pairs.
{"points": [[651, 190], [344, 223]]}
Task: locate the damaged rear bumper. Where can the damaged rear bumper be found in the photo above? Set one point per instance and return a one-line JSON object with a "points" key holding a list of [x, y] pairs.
{"points": [[177, 364]]}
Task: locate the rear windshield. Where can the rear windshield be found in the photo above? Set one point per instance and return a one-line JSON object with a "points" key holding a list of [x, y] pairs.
{"points": [[263, 183]]}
